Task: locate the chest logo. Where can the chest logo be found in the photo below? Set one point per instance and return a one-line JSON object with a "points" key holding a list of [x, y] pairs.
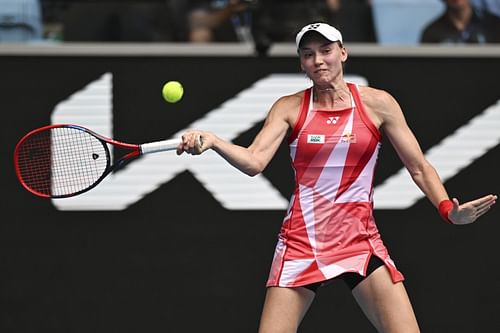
{"points": [[332, 120], [315, 138], [348, 138]]}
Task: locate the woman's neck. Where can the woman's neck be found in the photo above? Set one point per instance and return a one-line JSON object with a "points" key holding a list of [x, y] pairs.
{"points": [[332, 97]]}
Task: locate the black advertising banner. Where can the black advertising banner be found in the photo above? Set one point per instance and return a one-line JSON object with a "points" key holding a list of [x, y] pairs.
{"points": [[184, 244]]}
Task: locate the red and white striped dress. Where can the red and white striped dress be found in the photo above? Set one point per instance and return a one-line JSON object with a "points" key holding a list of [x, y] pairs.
{"points": [[329, 227]]}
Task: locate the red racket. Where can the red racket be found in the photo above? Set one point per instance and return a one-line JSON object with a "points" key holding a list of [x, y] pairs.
{"points": [[61, 161]]}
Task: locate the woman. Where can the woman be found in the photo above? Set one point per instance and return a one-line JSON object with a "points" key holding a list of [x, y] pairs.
{"points": [[329, 231]]}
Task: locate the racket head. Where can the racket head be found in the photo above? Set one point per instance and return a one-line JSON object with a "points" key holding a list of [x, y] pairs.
{"points": [[60, 161]]}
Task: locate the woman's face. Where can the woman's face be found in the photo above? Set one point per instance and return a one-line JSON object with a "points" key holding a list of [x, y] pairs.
{"points": [[321, 59]]}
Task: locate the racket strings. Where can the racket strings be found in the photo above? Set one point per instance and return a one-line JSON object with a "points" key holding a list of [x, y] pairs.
{"points": [[61, 161]]}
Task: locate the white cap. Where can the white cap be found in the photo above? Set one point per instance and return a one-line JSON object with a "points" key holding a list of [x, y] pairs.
{"points": [[324, 29]]}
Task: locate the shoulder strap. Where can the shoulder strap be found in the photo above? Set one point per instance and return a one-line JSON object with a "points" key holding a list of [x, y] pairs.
{"points": [[360, 109], [302, 115]]}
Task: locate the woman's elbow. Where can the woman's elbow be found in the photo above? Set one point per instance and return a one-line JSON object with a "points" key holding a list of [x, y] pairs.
{"points": [[252, 172], [421, 170], [254, 169]]}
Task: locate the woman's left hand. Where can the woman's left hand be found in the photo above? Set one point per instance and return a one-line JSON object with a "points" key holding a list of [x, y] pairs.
{"points": [[469, 212]]}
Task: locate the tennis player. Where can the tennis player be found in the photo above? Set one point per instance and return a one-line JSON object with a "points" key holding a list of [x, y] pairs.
{"points": [[334, 132]]}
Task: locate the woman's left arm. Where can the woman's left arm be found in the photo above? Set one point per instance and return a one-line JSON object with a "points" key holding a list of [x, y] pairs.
{"points": [[393, 123]]}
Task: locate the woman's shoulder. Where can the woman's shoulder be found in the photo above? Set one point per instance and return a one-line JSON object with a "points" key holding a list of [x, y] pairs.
{"points": [[287, 107], [375, 98], [291, 101], [379, 104]]}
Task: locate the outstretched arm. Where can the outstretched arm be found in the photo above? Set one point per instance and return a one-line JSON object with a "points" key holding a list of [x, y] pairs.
{"points": [[422, 172], [253, 159]]}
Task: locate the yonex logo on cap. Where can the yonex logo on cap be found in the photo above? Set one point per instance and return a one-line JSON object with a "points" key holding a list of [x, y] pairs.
{"points": [[326, 30], [313, 26]]}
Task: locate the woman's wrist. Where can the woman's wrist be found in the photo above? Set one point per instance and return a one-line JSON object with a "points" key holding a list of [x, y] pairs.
{"points": [[444, 208]]}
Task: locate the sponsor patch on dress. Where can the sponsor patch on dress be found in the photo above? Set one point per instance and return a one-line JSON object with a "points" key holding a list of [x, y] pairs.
{"points": [[348, 138], [316, 138]]}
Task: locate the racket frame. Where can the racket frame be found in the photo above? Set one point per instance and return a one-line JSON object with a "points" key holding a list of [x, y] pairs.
{"points": [[135, 151]]}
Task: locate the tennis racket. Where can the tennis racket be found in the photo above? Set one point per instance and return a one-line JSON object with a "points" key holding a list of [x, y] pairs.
{"points": [[61, 161]]}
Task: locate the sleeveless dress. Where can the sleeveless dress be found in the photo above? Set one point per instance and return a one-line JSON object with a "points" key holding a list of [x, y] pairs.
{"points": [[329, 228]]}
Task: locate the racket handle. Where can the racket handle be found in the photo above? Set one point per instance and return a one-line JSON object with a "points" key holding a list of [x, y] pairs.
{"points": [[158, 146]]}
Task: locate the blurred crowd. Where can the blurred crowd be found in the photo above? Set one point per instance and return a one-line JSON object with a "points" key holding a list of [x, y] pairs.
{"points": [[261, 22]]}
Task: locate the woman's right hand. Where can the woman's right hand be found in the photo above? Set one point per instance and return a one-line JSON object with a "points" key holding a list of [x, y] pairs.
{"points": [[195, 142]]}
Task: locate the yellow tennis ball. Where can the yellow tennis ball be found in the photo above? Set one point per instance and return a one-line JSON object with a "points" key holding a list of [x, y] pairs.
{"points": [[172, 91]]}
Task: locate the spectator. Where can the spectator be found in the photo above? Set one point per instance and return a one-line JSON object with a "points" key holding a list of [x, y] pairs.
{"points": [[220, 21], [492, 6], [113, 21], [353, 17], [463, 23], [20, 21], [277, 20]]}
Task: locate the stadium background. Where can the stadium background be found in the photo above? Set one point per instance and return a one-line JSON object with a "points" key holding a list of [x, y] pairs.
{"points": [[177, 261]]}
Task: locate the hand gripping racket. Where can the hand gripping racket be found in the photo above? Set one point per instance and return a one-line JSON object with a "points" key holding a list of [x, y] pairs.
{"points": [[61, 161]]}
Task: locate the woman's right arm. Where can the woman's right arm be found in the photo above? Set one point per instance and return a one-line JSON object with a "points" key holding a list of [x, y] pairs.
{"points": [[252, 159]]}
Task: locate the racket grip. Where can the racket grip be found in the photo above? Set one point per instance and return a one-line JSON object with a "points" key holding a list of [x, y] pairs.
{"points": [[158, 146]]}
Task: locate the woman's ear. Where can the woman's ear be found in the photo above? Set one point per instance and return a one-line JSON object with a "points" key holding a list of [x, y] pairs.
{"points": [[344, 54]]}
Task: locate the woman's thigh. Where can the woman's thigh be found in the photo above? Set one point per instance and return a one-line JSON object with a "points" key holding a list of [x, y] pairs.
{"points": [[284, 309], [386, 304]]}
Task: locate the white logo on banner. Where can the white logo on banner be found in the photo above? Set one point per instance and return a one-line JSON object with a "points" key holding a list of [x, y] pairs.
{"points": [[92, 107]]}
